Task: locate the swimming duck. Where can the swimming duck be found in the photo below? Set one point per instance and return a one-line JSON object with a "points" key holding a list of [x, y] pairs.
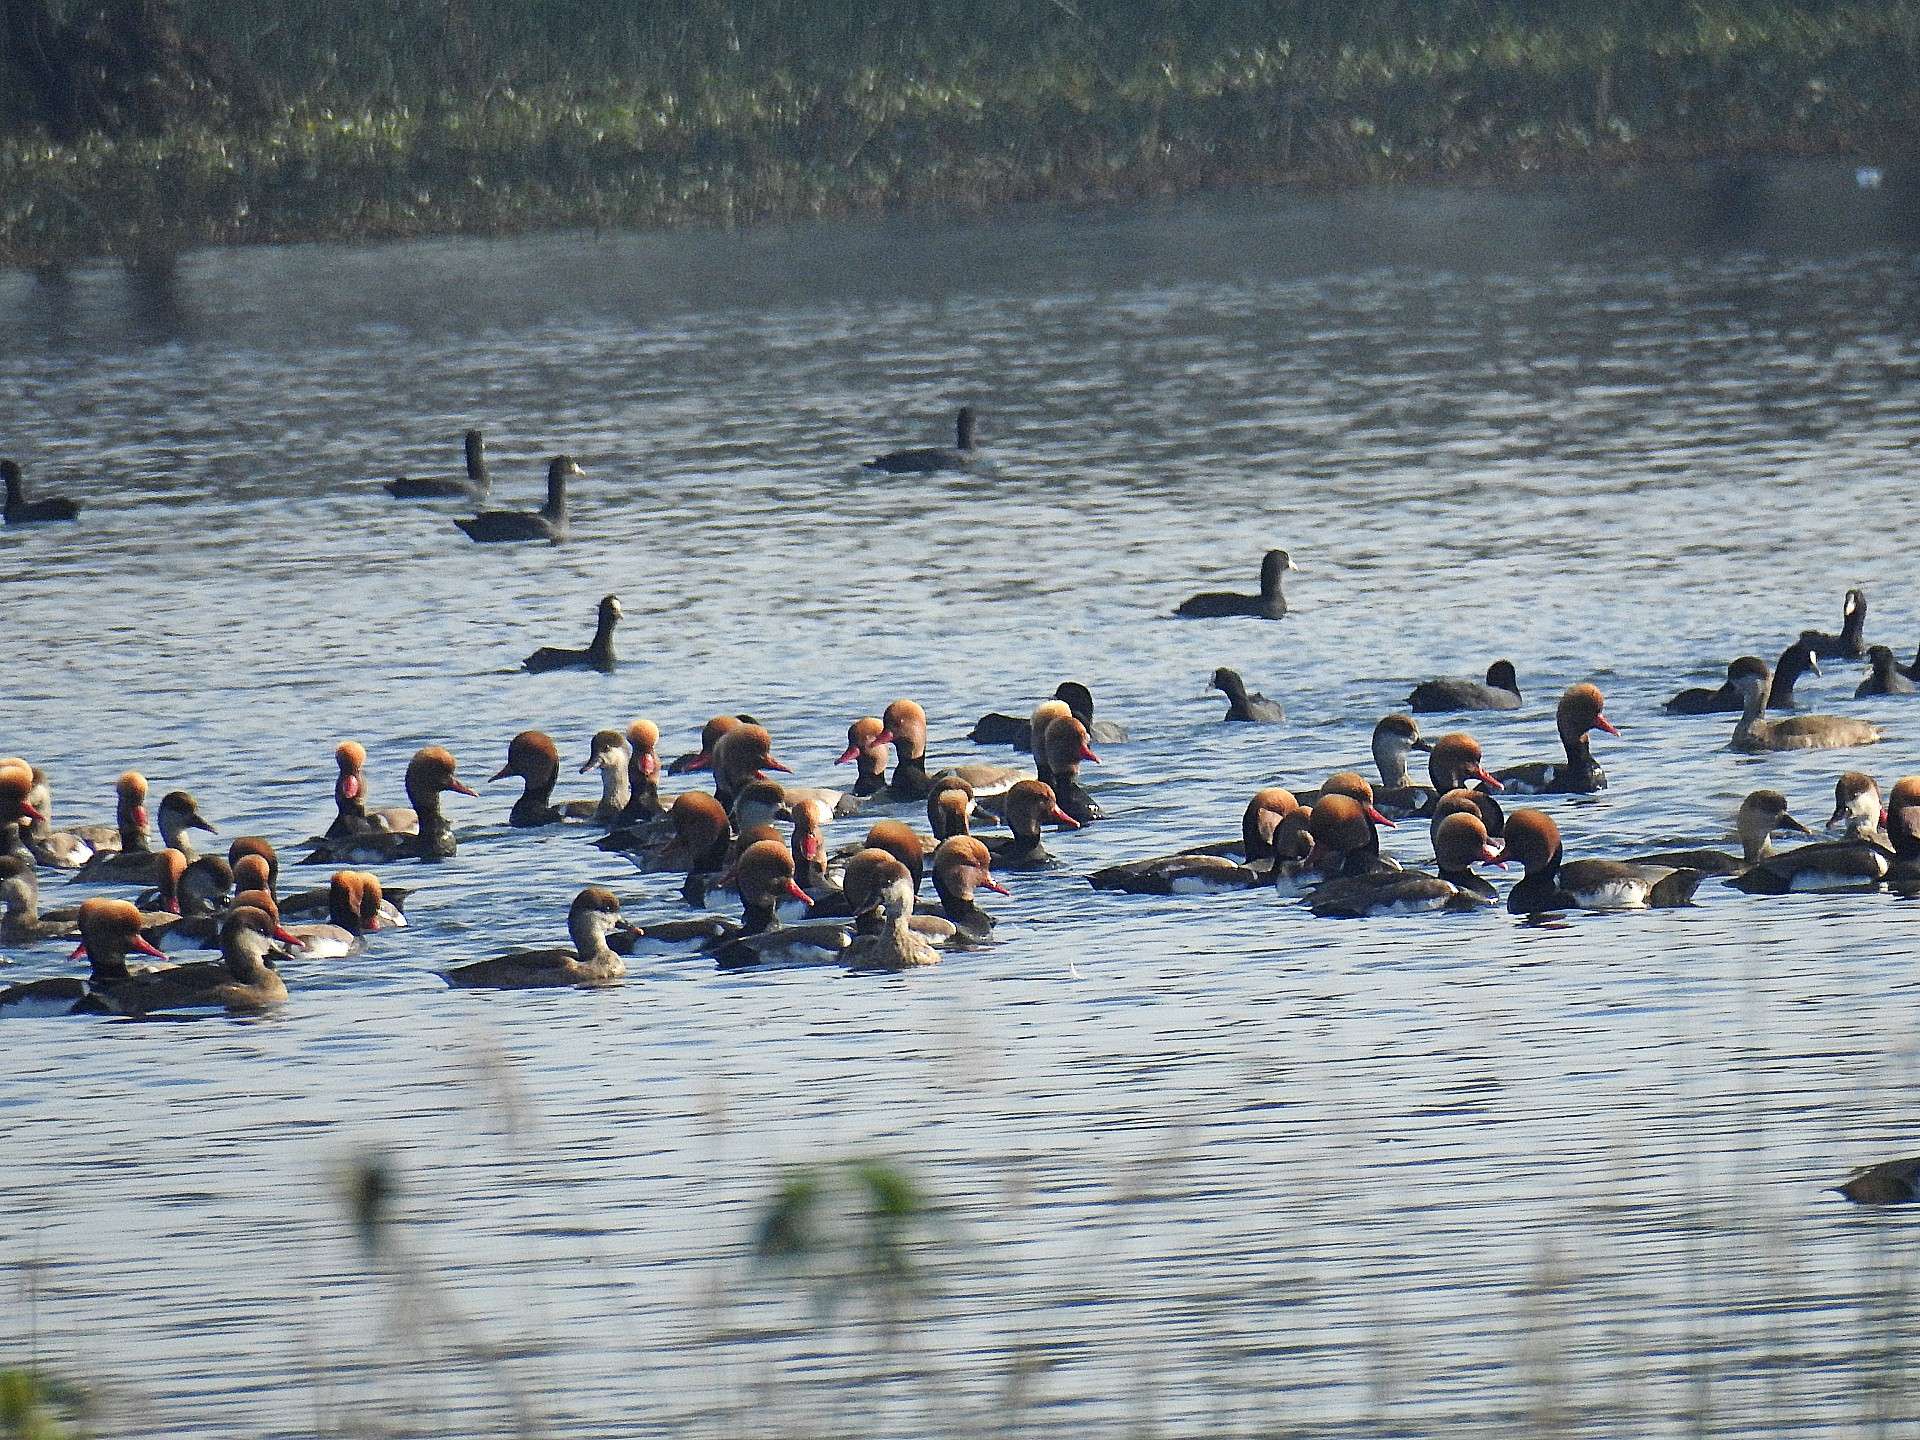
{"points": [[353, 909], [1850, 643], [430, 774], [1500, 691], [867, 742], [1554, 883], [1578, 712], [1891, 1182], [597, 656], [1855, 863], [1029, 804], [764, 876], [1459, 843], [696, 843], [998, 729], [1762, 815], [244, 981], [962, 867], [1796, 660], [1254, 709], [950, 808], [349, 790], [1886, 678], [1856, 805], [934, 457], [1064, 746], [548, 523], [179, 813], [740, 755], [108, 930], [473, 488], [1798, 732], [710, 734], [1269, 604], [56, 849], [643, 773], [895, 946], [587, 964], [610, 753], [906, 723], [21, 511], [534, 759]]}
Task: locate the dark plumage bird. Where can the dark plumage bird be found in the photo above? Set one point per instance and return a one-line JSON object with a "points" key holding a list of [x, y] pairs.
{"points": [[597, 656], [1501, 691], [1886, 678], [1252, 709], [1269, 604], [22, 511], [995, 728], [1891, 1182], [933, 457], [1796, 660], [548, 523], [474, 487], [1850, 643]]}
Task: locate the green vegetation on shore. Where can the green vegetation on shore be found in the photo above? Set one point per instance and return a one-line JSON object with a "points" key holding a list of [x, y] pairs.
{"points": [[485, 117]]}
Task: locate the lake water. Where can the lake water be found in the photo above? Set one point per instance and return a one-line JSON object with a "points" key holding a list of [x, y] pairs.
{"points": [[1199, 1165]]}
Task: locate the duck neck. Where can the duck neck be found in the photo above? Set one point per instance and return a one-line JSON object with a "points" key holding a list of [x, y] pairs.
{"points": [[1852, 626], [173, 832], [589, 933], [1755, 845], [1793, 664], [1236, 692], [600, 652], [1753, 700], [1391, 758], [556, 505], [16, 492], [872, 765], [644, 801], [758, 916], [20, 898], [616, 789], [536, 801], [910, 773], [133, 834], [960, 908], [477, 475], [107, 963]]}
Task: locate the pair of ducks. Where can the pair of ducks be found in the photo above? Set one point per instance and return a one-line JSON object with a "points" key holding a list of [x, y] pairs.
{"points": [[417, 831], [98, 854], [548, 523], [242, 981]]}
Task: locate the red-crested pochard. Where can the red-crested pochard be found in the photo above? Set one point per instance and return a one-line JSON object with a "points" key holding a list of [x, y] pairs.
{"points": [[588, 963]]}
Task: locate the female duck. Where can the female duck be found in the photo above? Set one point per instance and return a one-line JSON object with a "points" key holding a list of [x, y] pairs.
{"points": [[589, 963], [1761, 816], [1753, 733], [896, 945]]}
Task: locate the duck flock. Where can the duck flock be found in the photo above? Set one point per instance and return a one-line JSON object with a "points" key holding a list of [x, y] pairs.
{"points": [[770, 871]]}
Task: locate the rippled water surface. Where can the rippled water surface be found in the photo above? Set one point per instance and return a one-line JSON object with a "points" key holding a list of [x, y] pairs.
{"points": [[1201, 1166]]}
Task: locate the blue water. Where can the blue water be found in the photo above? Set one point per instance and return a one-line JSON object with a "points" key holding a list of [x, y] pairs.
{"points": [[1200, 1165]]}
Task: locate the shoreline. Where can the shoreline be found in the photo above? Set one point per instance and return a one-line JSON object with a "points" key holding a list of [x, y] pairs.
{"points": [[735, 151]]}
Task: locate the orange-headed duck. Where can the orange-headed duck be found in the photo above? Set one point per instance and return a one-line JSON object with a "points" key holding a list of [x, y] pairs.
{"points": [[1554, 883], [430, 774], [1459, 843], [1580, 774], [108, 930]]}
